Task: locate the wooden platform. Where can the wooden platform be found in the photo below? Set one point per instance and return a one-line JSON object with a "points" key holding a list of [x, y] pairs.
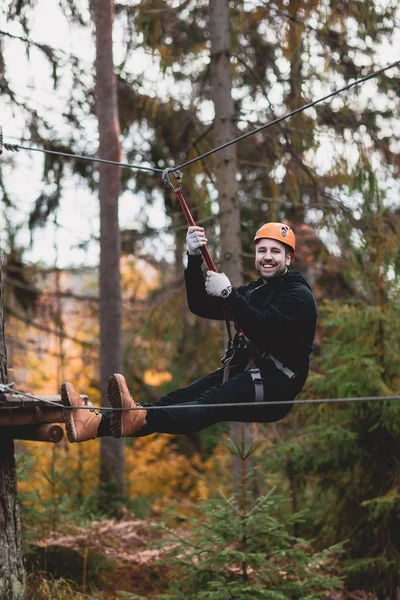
{"points": [[20, 410], [32, 418]]}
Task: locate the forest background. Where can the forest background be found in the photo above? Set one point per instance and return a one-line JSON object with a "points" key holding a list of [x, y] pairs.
{"points": [[331, 172]]}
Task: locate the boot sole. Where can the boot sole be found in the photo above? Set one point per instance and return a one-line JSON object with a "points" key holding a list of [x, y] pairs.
{"points": [[115, 398], [68, 418]]}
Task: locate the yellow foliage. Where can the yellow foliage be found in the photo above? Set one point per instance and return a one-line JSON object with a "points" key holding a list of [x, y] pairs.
{"points": [[396, 384], [138, 278], [156, 378], [61, 468], [155, 469]]}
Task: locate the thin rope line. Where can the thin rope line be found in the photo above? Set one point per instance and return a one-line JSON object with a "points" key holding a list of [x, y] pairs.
{"points": [[4, 388], [249, 404], [290, 114], [16, 147], [13, 147]]}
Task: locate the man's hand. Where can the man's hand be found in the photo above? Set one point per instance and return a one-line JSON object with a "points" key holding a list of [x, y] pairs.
{"points": [[195, 239], [218, 284]]}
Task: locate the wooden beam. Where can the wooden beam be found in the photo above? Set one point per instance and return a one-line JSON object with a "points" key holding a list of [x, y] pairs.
{"points": [[34, 415], [17, 399], [50, 432]]}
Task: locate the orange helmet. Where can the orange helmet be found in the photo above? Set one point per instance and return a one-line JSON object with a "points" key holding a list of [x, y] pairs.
{"points": [[277, 231]]}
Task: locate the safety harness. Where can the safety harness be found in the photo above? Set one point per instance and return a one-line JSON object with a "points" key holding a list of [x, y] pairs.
{"points": [[255, 372]]}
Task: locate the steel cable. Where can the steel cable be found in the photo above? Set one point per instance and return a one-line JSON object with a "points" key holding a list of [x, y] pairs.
{"points": [[8, 388], [290, 114]]}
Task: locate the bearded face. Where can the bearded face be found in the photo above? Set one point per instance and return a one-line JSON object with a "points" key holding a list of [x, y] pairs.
{"points": [[272, 258]]}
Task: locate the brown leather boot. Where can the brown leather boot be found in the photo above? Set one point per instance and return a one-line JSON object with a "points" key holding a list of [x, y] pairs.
{"points": [[123, 423], [81, 424]]}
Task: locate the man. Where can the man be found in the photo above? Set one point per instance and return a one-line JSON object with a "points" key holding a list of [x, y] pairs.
{"points": [[276, 317]]}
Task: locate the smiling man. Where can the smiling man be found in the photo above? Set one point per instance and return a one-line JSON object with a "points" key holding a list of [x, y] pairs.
{"points": [[276, 316]]}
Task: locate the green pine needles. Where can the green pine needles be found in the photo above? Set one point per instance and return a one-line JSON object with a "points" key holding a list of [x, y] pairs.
{"points": [[344, 459], [236, 553], [245, 548]]}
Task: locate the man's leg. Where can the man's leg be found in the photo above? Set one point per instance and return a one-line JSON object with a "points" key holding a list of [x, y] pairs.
{"points": [[118, 423], [197, 406], [205, 409], [112, 423]]}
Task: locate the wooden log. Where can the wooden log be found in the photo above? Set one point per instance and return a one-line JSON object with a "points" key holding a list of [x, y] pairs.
{"points": [[50, 432], [11, 398], [30, 416]]}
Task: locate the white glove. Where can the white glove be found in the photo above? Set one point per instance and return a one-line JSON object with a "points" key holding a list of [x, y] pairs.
{"points": [[217, 283], [195, 239]]}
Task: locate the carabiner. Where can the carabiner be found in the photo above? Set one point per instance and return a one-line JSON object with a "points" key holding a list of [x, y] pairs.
{"points": [[166, 181]]}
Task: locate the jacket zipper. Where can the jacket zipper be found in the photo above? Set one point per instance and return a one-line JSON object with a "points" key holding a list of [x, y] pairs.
{"points": [[257, 288]]}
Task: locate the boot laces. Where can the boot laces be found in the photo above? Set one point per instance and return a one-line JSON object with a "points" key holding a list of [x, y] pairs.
{"points": [[92, 408]]}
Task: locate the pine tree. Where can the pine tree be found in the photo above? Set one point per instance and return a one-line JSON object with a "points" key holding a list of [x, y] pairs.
{"points": [[344, 458], [242, 549]]}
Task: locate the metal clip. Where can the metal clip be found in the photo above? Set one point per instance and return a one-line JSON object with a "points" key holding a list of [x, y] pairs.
{"points": [[228, 355], [5, 388], [166, 181]]}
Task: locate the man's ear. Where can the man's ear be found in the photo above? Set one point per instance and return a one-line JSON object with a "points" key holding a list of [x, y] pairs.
{"points": [[289, 257]]}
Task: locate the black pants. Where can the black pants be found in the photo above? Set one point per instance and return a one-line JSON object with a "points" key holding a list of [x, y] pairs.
{"points": [[193, 406]]}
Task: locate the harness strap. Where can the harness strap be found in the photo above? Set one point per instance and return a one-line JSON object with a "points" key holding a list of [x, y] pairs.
{"points": [[258, 385], [280, 366], [253, 352], [226, 361], [257, 379]]}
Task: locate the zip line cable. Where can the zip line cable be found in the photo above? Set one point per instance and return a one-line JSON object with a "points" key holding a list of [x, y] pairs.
{"points": [[16, 147], [290, 114], [8, 388]]}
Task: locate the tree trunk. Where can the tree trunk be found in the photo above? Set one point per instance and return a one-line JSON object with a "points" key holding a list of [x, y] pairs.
{"points": [[12, 574], [296, 176], [111, 359], [226, 167]]}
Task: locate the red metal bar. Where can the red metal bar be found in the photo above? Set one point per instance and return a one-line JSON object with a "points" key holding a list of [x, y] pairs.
{"points": [[206, 254]]}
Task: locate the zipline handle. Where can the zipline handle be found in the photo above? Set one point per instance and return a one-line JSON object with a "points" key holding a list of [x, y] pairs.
{"points": [[178, 191], [204, 250]]}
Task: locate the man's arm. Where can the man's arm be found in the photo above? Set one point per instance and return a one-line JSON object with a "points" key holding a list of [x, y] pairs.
{"points": [[199, 302]]}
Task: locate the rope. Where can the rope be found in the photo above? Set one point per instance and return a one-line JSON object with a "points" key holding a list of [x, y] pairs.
{"points": [[16, 148], [8, 388], [290, 114]]}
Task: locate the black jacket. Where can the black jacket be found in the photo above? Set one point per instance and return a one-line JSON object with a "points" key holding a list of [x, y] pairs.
{"points": [[278, 315]]}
